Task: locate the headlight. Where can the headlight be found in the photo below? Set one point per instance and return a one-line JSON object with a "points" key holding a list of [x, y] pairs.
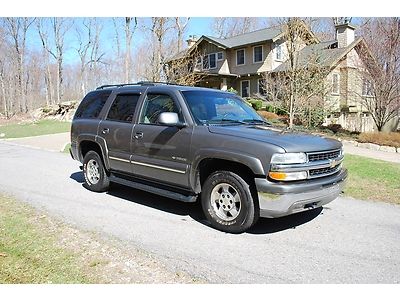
{"points": [[288, 176], [289, 158]]}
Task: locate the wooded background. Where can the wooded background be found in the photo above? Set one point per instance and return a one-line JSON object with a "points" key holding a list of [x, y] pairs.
{"points": [[45, 61]]}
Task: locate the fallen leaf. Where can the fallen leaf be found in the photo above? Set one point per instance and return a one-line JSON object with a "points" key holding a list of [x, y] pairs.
{"points": [[3, 255]]}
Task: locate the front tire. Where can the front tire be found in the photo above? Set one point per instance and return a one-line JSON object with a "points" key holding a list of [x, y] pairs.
{"points": [[96, 178], [227, 202]]}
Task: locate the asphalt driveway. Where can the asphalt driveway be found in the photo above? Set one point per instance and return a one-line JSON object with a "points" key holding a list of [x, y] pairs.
{"points": [[349, 241]]}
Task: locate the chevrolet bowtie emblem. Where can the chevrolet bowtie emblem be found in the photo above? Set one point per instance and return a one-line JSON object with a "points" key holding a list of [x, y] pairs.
{"points": [[332, 163]]}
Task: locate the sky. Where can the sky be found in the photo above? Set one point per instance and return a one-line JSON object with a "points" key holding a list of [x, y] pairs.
{"points": [[197, 26]]}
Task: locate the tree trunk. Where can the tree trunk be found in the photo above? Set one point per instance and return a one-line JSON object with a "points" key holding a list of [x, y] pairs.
{"points": [[3, 92]]}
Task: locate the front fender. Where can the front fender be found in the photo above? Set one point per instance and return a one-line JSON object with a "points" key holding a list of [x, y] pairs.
{"points": [[253, 163]]}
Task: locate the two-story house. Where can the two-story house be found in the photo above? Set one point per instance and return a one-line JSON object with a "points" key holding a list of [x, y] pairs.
{"points": [[239, 62]]}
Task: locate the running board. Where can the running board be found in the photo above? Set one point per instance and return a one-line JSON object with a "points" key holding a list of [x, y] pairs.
{"points": [[153, 190]]}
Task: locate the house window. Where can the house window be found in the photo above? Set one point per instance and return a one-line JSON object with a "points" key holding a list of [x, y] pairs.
{"points": [[261, 87], [240, 59], [198, 63], [257, 54], [278, 51], [210, 61], [245, 88], [205, 62], [367, 88], [335, 84], [220, 56]]}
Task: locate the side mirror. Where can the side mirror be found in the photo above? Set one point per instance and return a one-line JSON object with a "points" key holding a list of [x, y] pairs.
{"points": [[170, 119]]}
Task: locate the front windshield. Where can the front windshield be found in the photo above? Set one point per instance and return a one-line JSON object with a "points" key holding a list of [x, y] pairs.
{"points": [[209, 107]]}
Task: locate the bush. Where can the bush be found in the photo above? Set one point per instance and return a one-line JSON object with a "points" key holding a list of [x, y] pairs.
{"points": [[256, 104], [232, 90], [268, 115], [391, 139], [277, 110], [335, 128]]}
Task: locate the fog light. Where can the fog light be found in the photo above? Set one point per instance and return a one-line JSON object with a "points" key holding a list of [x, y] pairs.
{"points": [[283, 176]]}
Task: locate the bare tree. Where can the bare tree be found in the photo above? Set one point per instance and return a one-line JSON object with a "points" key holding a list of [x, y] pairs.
{"points": [[180, 27], [17, 29], [301, 83], [43, 34], [381, 71], [225, 27], [129, 30], [183, 70]]}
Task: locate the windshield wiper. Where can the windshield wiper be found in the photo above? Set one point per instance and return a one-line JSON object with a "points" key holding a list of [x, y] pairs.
{"points": [[225, 120], [256, 121]]}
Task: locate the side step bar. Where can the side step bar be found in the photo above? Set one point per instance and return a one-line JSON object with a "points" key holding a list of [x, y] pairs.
{"points": [[153, 190]]}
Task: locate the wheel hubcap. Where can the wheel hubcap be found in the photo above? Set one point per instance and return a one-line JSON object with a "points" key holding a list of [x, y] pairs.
{"points": [[225, 201], [92, 171]]}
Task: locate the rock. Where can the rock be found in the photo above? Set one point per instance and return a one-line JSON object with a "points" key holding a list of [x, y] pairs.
{"points": [[369, 146], [387, 149], [398, 150]]}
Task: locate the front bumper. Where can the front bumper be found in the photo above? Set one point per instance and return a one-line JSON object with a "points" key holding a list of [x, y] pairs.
{"points": [[282, 199]]}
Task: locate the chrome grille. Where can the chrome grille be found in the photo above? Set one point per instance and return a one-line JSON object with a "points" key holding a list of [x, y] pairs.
{"points": [[323, 155], [324, 171]]}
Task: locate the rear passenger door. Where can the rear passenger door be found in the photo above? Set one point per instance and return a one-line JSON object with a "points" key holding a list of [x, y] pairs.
{"points": [[117, 128]]}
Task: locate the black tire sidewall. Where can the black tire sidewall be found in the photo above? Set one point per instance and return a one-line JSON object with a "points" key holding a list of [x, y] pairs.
{"points": [[246, 216], [103, 183]]}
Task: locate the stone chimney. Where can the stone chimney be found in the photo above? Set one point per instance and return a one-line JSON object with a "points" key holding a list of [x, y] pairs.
{"points": [[191, 40], [344, 31]]}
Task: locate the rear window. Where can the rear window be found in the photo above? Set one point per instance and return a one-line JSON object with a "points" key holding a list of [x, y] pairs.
{"points": [[123, 108], [92, 105]]}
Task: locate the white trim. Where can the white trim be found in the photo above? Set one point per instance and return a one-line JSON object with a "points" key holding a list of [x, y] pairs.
{"points": [[336, 93], [241, 87], [157, 167], [262, 54], [244, 56], [119, 159]]}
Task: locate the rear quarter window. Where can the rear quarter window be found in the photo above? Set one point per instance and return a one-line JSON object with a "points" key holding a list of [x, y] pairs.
{"points": [[91, 106]]}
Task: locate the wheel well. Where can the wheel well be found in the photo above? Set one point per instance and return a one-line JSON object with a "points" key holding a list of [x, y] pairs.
{"points": [[86, 146], [210, 165]]}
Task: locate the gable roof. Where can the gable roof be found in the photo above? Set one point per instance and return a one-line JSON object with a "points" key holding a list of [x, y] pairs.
{"points": [[328, 55], [254, 37], [273, 33]]}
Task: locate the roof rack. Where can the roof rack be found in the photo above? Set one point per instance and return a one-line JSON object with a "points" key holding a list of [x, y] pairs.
{"points": [[141, 83]]}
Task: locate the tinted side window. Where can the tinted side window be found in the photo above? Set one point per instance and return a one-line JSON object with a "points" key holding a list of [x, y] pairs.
{"points": [[156, 104], [123, 108], [92, 105]]}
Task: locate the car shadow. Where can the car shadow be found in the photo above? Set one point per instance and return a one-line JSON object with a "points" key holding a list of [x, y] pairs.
{"points": [[78, 177], [194, 210], [268, 225]]}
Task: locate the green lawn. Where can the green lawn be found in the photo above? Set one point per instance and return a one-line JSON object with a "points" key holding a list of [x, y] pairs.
{"points": [[35, 128], [372, 179], [29, 252]]}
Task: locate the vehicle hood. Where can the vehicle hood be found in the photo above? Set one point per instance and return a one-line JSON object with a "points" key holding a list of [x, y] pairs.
{"points": [[290, 141]]}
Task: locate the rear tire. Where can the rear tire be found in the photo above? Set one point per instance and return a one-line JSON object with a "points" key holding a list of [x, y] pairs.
{"points": [[96, 178], [227, 202]]}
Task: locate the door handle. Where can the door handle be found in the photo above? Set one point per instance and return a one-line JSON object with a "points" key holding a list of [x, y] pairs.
{"points": [[106, 130], [138, 135]]}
